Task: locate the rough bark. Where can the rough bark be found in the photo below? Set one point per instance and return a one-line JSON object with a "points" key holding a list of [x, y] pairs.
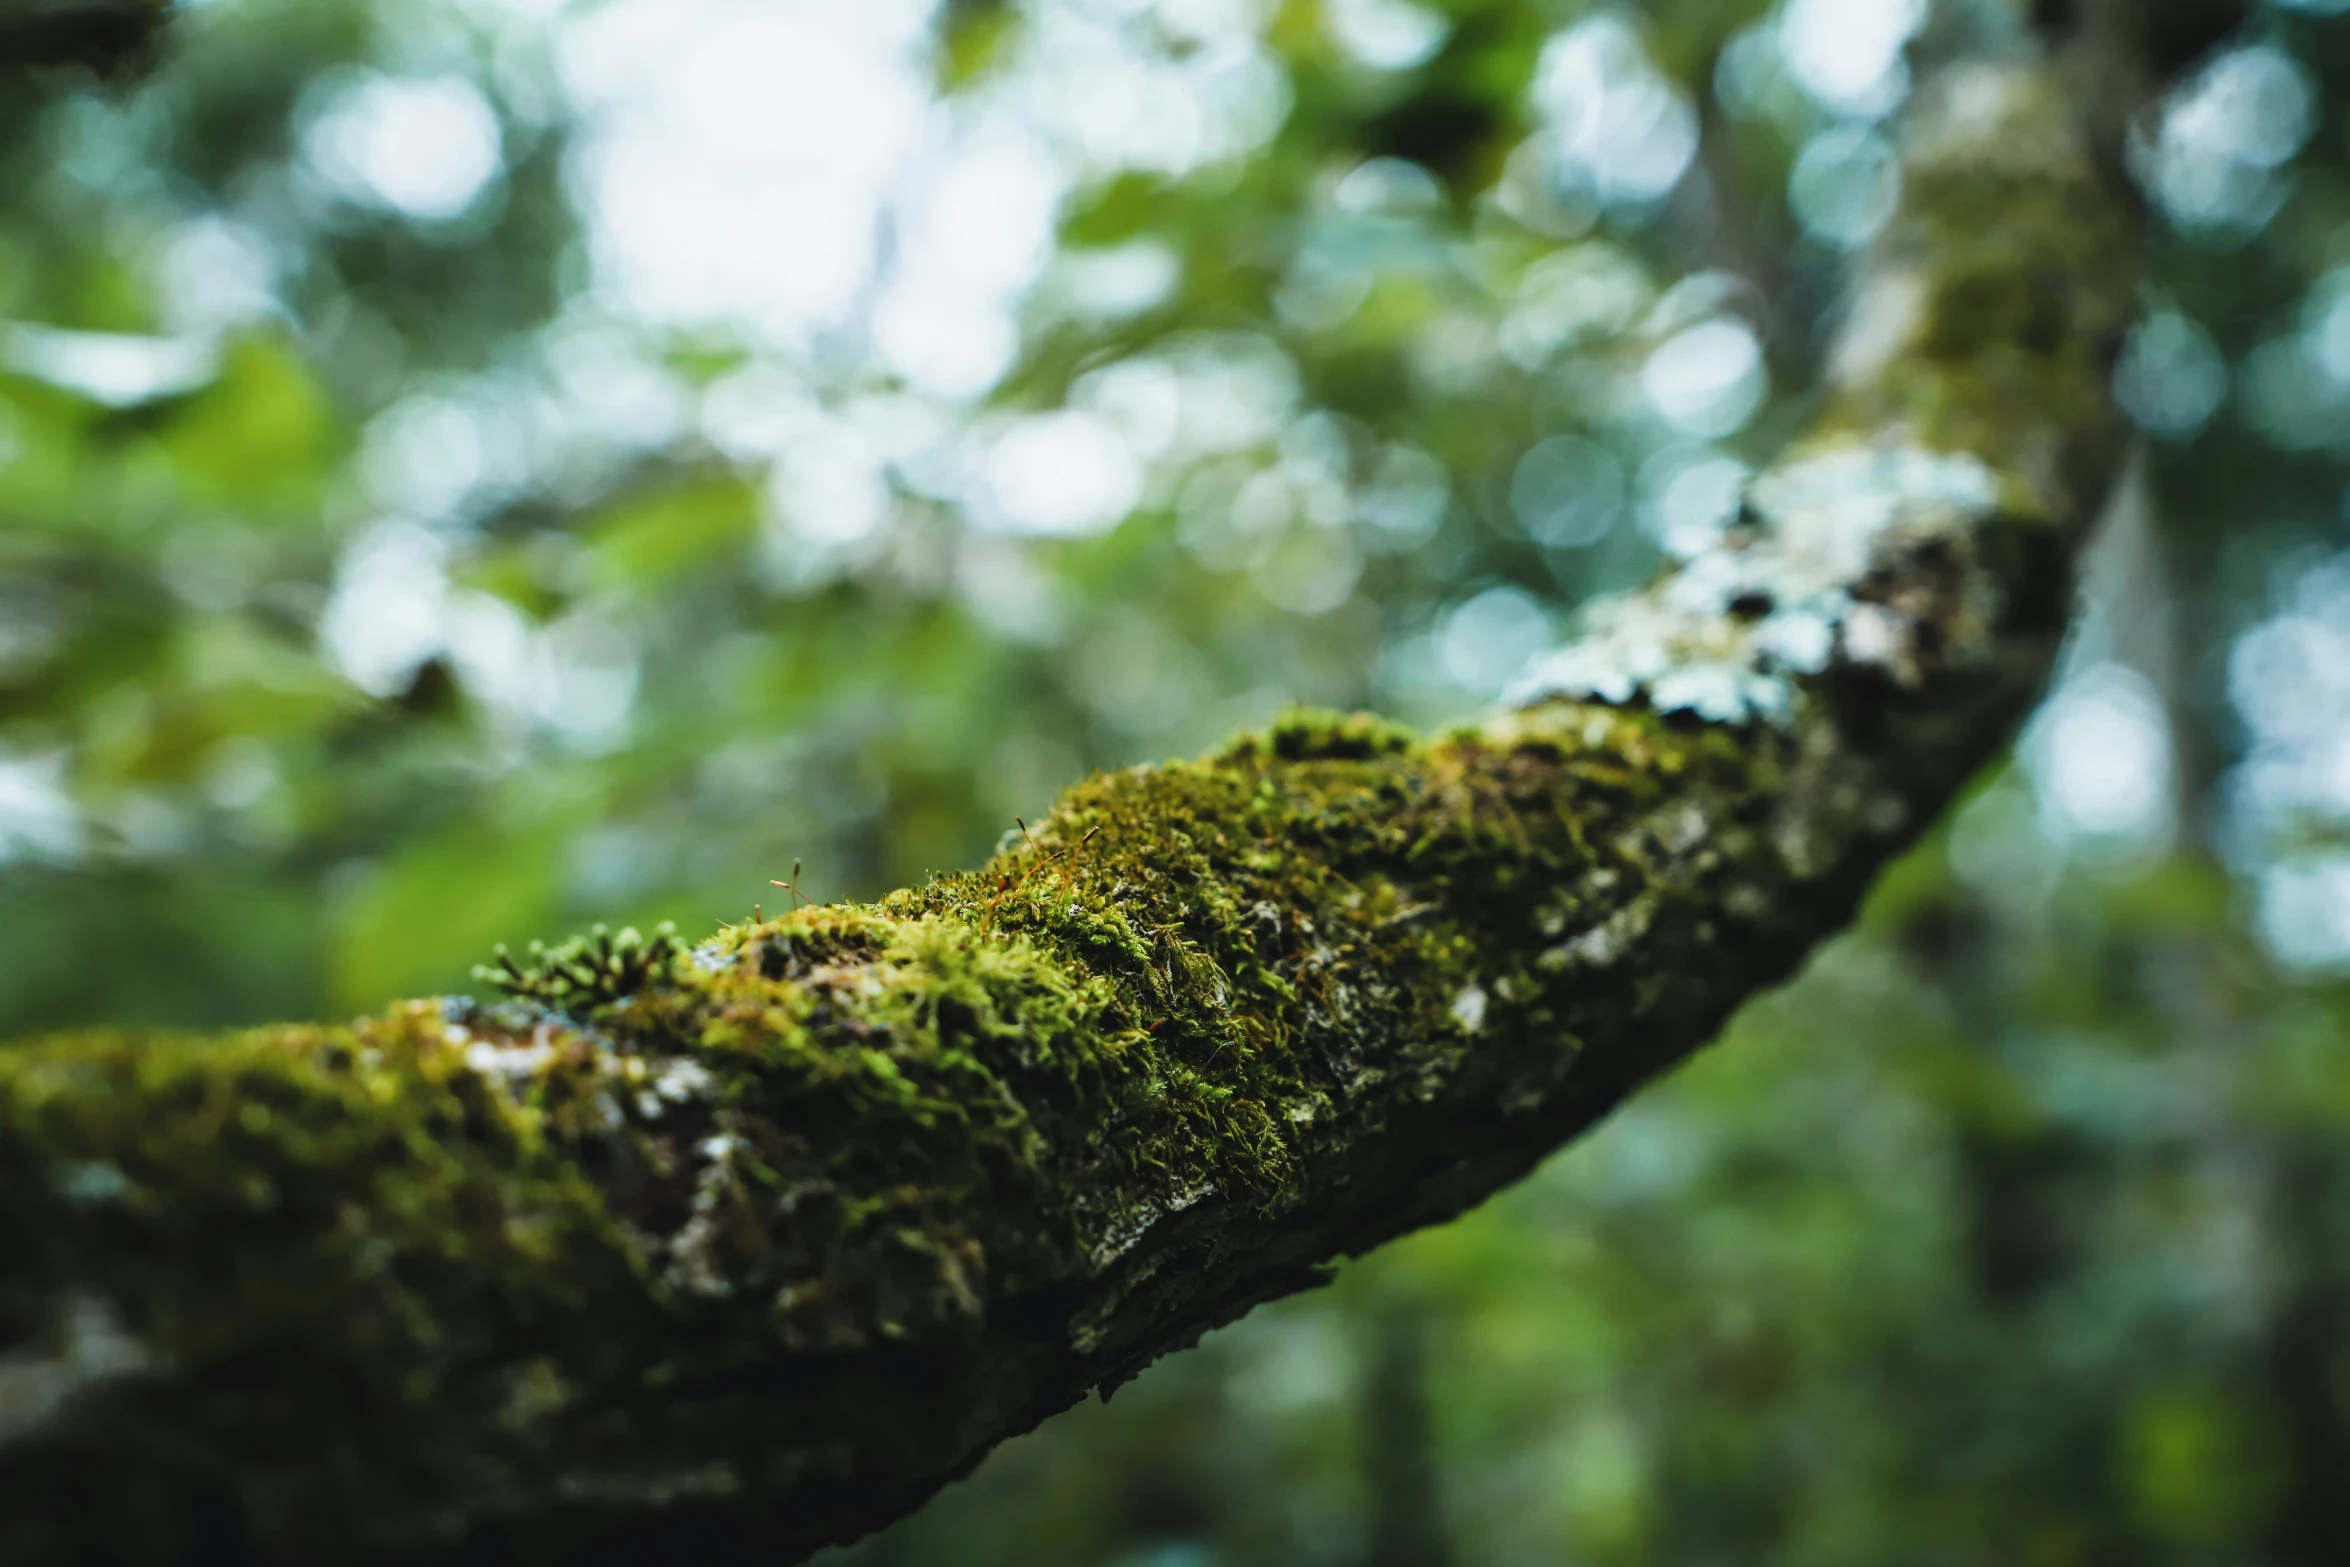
{"points": [[750, 1247]]}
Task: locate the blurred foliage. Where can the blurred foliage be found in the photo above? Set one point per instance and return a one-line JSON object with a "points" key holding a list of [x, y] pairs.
{"points": [[402, 553]]}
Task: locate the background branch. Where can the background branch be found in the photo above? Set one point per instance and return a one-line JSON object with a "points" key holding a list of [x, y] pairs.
{"points": [[111, 39]]}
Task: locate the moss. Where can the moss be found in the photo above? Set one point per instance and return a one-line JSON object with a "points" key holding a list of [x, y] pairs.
{"points": [[491, 1228], [2026, 255], [1318, 894], [1311, 733], [319, 1240], [587, 972]]}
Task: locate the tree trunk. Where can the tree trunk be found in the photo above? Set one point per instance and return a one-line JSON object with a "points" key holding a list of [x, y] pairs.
{"points": [[749, 1247]]}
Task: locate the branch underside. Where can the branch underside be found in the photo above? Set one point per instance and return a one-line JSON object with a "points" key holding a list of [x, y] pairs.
{"points": [[751, 1247]]}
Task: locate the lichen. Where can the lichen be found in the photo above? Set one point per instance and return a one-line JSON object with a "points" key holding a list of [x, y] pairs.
{"points": [[1734, 634], [89, 1349], [1975, 358]]}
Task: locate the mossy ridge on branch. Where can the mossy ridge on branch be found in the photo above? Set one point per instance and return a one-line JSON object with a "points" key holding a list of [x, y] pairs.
{"points": [[823, 1134], [972, 1096]]}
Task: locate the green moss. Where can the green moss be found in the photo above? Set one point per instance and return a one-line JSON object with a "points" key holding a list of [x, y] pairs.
{"points": [[587, 972], [850, 1127], [1323, 892], [322, 1243], [1305, 734]]}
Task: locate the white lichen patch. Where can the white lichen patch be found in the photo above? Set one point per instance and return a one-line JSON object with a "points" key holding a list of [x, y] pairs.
{"points": [[1827, 512], [699, 1252], [1730, 634], [88, 1347], [508, 1065], [684, 1079], [1680, 828], [1119, 1237], [1606, 942], [1125, 1230]]}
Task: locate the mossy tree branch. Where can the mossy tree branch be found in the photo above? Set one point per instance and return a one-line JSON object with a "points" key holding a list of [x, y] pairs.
{"points": [[752, 1246]]}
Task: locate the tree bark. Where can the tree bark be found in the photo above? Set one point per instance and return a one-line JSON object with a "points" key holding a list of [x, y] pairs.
{"points": [[749, 1247]]}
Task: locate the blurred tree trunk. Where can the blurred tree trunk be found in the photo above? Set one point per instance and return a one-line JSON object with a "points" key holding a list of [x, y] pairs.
{"points": [[1399, 1448], [2304, 1355], [749, 1247]]}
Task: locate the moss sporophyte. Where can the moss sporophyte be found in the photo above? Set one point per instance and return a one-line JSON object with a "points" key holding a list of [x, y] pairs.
{"points": [[764, 1238]]}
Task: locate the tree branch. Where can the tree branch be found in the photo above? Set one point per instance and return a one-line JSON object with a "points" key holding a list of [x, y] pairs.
{"points": [[750, 1248]]}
